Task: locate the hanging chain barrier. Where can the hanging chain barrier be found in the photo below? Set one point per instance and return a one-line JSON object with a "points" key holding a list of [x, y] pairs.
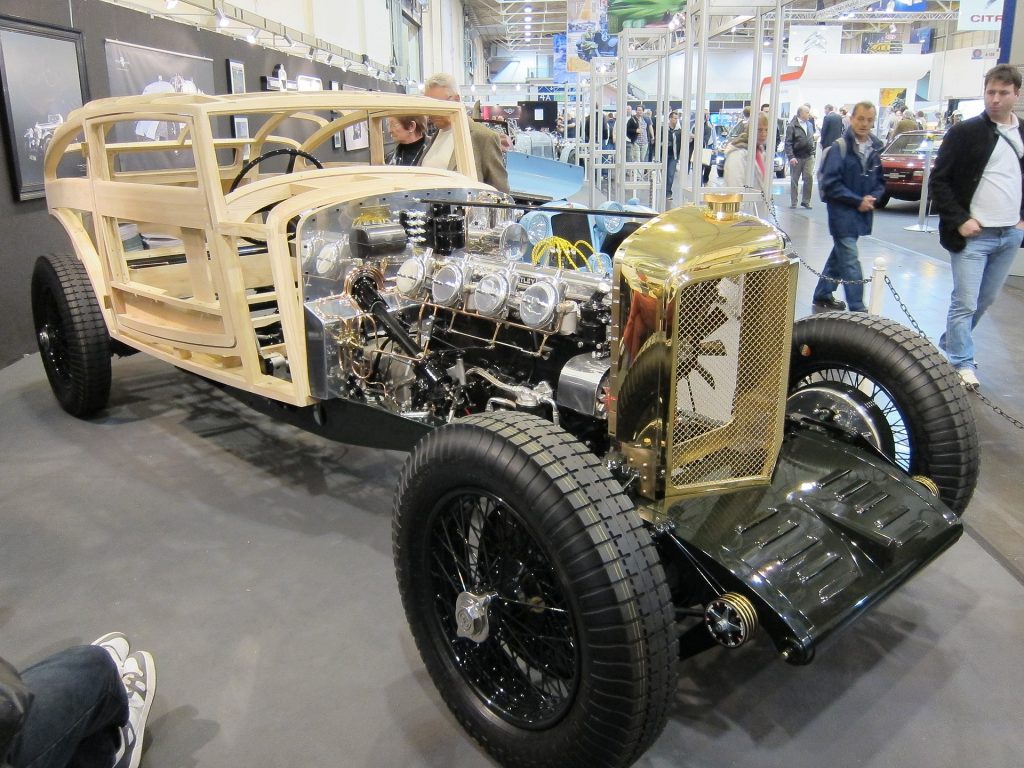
{"points": [[770, 205]]}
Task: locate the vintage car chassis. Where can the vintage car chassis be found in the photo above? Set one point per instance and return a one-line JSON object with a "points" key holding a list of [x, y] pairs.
{"points": [[622, 449]]}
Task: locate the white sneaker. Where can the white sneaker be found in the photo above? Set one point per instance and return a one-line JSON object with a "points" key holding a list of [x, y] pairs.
{"points": [[969, 378], [116, 644], [139, 680]]}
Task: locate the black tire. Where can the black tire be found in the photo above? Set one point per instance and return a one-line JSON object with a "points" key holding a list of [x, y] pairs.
{"points": [[926, 410], [883, 201], [71, 334], [578, 668]]}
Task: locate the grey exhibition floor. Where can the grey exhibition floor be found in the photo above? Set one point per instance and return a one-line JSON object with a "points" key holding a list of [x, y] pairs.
{"points": [[254, 560]]}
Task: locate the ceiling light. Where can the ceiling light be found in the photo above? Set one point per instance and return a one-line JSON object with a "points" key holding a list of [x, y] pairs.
{"points": [[251, 36], [312, 52], [529, 27], [222, 20], [329, 59], [472, 88], [288, 40], [519, 87], [527, 9], [494, 88], [528, 18], [171, 4]]}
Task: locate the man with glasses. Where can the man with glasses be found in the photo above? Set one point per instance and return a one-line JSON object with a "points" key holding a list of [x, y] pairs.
{"points": [[490, 163], [851, 181]]}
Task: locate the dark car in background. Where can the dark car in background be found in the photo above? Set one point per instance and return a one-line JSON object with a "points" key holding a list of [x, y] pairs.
{"points": [[903, 163]]}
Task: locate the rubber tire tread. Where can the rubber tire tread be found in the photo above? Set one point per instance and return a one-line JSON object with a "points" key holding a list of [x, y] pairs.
{"points": [[88, 343], [926, 388], [610, 569]]}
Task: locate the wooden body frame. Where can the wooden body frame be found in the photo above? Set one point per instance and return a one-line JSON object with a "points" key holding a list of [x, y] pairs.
{"points": [[201, 302]]}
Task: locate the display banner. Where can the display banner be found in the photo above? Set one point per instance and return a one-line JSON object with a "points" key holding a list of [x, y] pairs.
{"points": [[558, 68], [624, 14], [805, 40], [587, 34], [925, 36], [135, 69], [880, 42], [978, 15], [900, 6]]}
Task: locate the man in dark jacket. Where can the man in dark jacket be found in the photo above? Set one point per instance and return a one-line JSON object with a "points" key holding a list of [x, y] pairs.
{"points": [[978, 189], [800, 151], [852, 181], [831, 126], [675, 134]]}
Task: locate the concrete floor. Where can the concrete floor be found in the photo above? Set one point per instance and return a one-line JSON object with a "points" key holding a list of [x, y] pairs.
{"points": [[254, 560]]}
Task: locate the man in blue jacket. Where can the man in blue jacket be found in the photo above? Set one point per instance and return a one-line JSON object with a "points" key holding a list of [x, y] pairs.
{"points": [[851, 181], [978, 189]]}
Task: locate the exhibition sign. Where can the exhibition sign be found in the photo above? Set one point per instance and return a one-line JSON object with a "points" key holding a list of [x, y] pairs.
{"points": [[979, 15], [806, 39]]}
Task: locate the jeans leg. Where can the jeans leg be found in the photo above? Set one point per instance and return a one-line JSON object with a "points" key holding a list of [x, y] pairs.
{"points": [[825, 286], [997, 268], [670, 177], [849, 269], [80, 703], [979, 271]]}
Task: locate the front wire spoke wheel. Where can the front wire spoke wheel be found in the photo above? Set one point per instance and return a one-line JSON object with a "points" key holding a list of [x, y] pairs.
{"points": [[527, 668], [873, 376], [534, 593], [892, 422]]}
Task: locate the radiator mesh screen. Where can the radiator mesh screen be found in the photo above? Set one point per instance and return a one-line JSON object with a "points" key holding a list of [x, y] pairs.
{"points": [[731, 349]]}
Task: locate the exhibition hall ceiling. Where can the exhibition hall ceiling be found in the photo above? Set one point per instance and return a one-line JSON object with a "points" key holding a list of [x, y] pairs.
{"points": [[528, 25]]}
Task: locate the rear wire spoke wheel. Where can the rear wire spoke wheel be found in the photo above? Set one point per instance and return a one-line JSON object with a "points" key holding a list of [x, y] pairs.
{"points": [[71, 334], [534, 594], [888, 383]]}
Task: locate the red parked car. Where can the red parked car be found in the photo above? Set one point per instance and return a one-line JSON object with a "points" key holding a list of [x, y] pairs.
{"points": [[903, 164]]}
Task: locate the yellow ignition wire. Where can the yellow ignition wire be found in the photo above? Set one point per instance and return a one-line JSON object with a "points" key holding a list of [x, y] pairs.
{"points": [[565, 252]]}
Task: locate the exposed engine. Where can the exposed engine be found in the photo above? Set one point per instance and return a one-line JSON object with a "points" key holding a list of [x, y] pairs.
{"points": [[434, 309]]}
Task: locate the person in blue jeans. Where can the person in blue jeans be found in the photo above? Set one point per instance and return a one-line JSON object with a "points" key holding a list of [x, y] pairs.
{"points": [[851, 181], [84, 707], [977, 187]]}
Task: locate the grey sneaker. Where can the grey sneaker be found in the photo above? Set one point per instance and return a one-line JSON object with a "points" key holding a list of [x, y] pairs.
{"points": [[140, 683], [969, 378], [116, 644]]}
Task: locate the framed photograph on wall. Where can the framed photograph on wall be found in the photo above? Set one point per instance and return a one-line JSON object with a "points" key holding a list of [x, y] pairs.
{"points": [[236, 76], [357, 135], [42, 73], [309, 83]]}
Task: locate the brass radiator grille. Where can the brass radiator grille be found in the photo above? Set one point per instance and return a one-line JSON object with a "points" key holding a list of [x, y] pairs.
{"points": [[731, 351]]}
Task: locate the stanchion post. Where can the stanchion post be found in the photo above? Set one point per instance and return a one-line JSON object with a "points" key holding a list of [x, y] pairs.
{"points": [[922, 209], [877, 286]]}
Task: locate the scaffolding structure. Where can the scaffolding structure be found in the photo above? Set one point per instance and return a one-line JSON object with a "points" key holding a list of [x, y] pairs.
{"points": [[705, 19]]}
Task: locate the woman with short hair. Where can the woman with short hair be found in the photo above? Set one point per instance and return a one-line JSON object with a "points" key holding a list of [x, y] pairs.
{"points": [[410, 133]]}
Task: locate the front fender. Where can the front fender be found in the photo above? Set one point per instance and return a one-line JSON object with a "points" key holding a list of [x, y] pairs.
{"points": [[838, 529]]}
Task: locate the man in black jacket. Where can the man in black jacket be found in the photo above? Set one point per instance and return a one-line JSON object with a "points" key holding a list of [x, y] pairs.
{"points": [[800, 151], [674, 145], [831, 126], [978, 189]]}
